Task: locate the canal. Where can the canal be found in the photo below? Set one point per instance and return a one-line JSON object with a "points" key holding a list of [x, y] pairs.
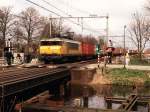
{"points": [[95, 97]]}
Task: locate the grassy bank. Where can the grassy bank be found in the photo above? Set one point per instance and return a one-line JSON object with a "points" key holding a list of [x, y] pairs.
{"points": [[135, 60], [128, 77]]}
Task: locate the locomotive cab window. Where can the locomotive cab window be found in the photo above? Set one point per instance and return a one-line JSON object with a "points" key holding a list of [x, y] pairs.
{"points": [[51, 43], [73, 45]]}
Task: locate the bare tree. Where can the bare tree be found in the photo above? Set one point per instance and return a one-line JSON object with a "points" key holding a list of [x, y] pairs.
{"points": [[78, 37], [56, 27], [18, 38], [100, 40], [32, 24], [140, 32], [46, 31], [5, 24], [51, 29]]}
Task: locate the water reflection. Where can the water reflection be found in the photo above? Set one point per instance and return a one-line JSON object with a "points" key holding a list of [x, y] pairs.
{"points": [[101, 90], [95, 96], [82, 90]]}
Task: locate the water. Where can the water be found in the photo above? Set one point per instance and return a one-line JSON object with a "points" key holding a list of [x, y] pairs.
{"points": [[94, 96]]}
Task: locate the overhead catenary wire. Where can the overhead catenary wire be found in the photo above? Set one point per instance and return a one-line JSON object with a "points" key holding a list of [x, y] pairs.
{"points": [[75, 8], [67, 15], [89, 29], [60, 15], [70, 15], [42, 7], [55, 7]]}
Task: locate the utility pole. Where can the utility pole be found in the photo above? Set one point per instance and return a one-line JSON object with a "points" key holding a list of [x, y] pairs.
{"points": [[60, 23], [107, 28], [82, 24], [50, 27], [124, 43]]}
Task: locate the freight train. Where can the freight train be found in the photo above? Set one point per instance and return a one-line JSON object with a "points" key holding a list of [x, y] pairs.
{"points": [[61, 49]]}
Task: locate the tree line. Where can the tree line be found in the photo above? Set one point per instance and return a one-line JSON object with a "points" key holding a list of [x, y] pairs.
{"points": [[23, 29], [139, 29], [27, 28]]}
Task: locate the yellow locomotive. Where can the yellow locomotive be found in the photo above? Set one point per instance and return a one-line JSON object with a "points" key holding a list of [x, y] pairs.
{"points": [[55, 49]]}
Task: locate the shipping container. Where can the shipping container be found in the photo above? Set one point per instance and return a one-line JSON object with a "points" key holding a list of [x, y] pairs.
{"points": [[88, 49]]}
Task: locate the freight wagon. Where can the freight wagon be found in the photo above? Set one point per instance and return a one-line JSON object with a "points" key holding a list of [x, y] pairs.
{"points": [[88, 50]]}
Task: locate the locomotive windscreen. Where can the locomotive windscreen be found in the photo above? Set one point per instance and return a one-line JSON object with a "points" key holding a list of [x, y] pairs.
{"points": [[50, 43]]}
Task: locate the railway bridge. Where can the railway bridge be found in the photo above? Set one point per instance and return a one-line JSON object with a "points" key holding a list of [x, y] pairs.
{"points": [[21, 84]]}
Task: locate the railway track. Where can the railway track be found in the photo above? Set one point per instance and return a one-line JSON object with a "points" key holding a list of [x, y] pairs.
{"points": [[16, 76], [16, 84], [20, 74]]}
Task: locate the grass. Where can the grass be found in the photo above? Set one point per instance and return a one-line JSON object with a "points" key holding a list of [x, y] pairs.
{"points": [[126, 73], [135, 60], [128, 77]]}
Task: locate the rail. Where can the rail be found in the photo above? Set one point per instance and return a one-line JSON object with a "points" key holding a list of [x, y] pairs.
{"points": [[26, 75]]}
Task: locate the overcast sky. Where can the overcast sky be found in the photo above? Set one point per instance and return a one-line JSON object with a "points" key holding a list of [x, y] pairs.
{"points": [[119, 12]]}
